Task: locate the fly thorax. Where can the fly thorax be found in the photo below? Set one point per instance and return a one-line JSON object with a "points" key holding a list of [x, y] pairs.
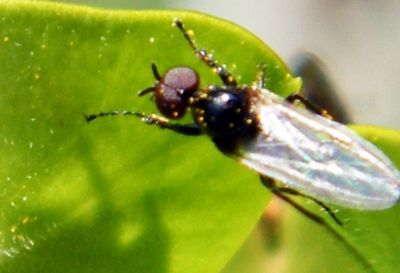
{"points": [[224, 115]]}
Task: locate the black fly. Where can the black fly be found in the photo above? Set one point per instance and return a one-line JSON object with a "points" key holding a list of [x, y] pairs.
{"points": [[308, 153]]}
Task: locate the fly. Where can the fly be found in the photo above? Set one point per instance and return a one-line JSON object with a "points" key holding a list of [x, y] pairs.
{"points": [[308, 153]]}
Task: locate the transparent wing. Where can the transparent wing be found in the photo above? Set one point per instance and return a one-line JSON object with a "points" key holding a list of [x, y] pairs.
{"points": [[319, 157]]}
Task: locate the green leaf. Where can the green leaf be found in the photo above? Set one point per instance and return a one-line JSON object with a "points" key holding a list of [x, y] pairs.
{"points": [[116, 195]]}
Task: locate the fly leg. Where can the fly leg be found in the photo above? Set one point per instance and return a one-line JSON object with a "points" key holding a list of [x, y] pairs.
{"points": [[269, 183], [203, 55], [91, 117], [310, 106], [279, 191], [260, 83], [161, 122], [191, 129]]}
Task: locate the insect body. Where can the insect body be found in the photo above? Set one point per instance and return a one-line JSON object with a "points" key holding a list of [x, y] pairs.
{"points": [[311, 155]]}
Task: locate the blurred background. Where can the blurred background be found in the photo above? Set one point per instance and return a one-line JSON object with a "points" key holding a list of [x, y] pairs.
{"points": [[355, 42]]}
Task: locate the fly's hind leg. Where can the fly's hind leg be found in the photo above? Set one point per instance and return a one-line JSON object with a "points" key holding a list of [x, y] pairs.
{"points": [[281, 191], [270, 183]]}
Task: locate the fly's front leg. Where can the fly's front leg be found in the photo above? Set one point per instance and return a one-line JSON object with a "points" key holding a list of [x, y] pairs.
{"points": [[191, 129], [203, 55], [161, 122], [92, 117]]}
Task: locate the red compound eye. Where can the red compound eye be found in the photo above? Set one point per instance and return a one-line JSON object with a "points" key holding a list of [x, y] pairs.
{"points": [[181, 78], [173, 90]]}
